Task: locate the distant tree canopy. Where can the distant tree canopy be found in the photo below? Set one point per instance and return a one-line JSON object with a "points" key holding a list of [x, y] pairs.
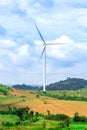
{"points": [[68, 84], [25, 87]]}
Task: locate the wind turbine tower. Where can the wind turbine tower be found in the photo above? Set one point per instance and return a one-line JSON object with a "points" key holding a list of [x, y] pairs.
{"points": [[44, 56]]}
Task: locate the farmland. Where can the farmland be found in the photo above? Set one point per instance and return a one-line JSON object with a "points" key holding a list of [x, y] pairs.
{"points": [[43, 104]]}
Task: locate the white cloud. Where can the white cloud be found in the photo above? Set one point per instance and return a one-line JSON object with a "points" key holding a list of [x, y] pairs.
{"points": [[70, 51], [5, 2], [24, 50], [20, 55], [1, 66], [60, 22], [7, 43], [57, 50], [62, 39]]}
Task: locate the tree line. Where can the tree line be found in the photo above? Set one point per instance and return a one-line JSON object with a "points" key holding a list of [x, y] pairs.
{"points": [[68, 84], [26, 116]]}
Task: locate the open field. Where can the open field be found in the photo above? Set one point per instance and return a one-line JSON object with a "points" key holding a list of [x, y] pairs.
{"points": [[42, 104], [49, 125]]}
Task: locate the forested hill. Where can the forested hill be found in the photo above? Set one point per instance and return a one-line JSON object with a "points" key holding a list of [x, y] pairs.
{"points": [[68, 84], [25, 87]]}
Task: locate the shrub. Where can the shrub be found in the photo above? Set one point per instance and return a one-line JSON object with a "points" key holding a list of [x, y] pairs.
{"points": [[34, 119], [37, 96], [9, 124], [61, 125], [37, 114], [31, 113], [17, 123], [57, 117], [67, 122], [78, 118]]}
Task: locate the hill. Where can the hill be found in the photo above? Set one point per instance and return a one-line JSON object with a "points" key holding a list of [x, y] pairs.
{"points": [[68, 84], [25, 87], [4, 89]]}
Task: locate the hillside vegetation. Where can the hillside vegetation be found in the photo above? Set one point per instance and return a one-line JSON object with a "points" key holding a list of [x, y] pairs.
{"points": [[77, 95], [4, 89], [68, 84], [25, 87]]}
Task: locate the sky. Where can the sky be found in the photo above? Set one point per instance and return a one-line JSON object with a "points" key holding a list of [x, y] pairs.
{"points": [[59, 21]]}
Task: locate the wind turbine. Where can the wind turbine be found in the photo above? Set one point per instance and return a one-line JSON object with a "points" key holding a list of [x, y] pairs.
{"points": [[44, 56]]}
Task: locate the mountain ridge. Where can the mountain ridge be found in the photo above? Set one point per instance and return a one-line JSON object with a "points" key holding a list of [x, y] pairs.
{"points": [[67, 84]]}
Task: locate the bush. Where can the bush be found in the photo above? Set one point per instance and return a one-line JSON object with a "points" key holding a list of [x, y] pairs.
{"points": [[37, 96], [57, 117], [61, 125], [67, 122], [37, 114], [9, 124], [17, 123], [64, 124], [34, 119], [78, 118]]}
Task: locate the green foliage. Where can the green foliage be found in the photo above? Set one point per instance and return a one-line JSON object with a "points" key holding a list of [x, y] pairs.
{"points": [[26, 119], [25, 87], [37, 114], [9, 117], [78, 95], [9, 124], [61, 125], [67, 122], [43, 124], [20, 112], [78, 118], [56, 117], [68, 84], [4, 89]]}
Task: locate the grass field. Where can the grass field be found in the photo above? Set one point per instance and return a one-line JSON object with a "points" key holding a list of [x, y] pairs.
{"points": [[8, 118], [50, 125], [79, 95]]}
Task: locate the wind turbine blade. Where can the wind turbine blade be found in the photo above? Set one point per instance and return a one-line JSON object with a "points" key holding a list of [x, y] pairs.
{"points": [[41, 55], [56, 43], [40, 34]]}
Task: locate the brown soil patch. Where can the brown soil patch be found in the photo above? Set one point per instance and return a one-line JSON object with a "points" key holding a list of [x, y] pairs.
{"points": [[16, 92], [42, 104]]}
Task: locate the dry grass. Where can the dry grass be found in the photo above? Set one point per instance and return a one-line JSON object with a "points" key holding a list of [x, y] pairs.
{"points": [[42, 104]]}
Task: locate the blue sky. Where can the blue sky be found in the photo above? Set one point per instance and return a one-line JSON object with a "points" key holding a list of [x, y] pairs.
{"points": [[60, 21]]}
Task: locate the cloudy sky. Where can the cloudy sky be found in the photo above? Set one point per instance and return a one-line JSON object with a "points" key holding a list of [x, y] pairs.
{"points": [[60, 21]]}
